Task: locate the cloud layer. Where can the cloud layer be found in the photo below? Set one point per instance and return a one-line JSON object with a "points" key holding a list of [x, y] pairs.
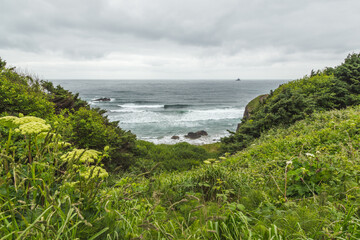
{"points": [[177, 39]]}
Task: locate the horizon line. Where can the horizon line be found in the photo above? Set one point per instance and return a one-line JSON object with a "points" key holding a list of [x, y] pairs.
{"points": [[171, 79]]}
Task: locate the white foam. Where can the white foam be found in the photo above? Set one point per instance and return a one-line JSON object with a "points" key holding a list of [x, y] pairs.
{"points": [[200, 141], [136, 106], [127, 111], [144, 116]]}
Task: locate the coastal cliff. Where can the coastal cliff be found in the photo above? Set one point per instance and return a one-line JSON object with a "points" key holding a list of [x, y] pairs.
{"points": [[253, 104]]}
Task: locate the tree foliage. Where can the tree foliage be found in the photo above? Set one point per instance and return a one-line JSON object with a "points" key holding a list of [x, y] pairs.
{"points": [[22, 94], [349, 72], [89, 129], [83, 126], [63, 99]]}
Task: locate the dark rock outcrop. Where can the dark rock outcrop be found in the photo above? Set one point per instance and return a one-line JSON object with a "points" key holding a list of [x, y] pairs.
{"points": [[253, 104], [103, 99], [175, 137], [196, 135]]}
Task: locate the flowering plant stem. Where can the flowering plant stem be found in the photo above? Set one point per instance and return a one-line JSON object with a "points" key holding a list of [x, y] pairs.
{"points": [[30, 158]]}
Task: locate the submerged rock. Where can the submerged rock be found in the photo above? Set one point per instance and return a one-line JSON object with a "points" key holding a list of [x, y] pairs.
{"points": [[175, 137], [196, 135]]}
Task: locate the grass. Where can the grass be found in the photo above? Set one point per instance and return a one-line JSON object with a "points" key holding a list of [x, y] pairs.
{"points": [[300, 182]]}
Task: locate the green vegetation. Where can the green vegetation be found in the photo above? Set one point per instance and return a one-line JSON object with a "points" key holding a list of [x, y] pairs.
{"points": [[67, 172], [254, 104], [81, 126], [329, 89], [21, 94], [178, 157]]}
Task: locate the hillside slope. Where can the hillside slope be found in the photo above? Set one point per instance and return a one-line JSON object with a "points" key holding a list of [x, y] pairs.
{"points": [[297, 178], [332, 88], [299, 182]]}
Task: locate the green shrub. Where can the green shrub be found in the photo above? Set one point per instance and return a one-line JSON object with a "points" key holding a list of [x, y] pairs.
{"points": [[22, 94], [87, 128], [82, 126], [63, 99]]}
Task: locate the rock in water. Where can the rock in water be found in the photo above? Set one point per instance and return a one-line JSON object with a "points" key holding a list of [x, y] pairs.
{"points": [[175, 137], [102, 99], [196, 135]]}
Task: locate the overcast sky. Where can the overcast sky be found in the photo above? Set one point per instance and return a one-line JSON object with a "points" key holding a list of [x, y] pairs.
{"points": [[183, 39]]}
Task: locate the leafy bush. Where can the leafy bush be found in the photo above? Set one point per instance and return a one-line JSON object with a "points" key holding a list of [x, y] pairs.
{"points": [[63, 99], [82, 126], [349, 72], [22, 94], [86, 128]]}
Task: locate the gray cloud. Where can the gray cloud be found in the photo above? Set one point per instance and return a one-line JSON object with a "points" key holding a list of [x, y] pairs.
{"points": [[276, 31]]}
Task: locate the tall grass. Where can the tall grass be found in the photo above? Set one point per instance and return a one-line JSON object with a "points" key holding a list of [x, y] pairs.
{"points": [[296, 183]]}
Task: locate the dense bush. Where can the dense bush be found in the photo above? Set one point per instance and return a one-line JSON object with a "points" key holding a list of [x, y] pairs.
{"points": [[63, 99], [82, 126], [89, 129], [298, 99], [22, 94], [349, 72]]}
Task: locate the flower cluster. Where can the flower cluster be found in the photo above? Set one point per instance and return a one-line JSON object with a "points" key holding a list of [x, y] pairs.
{"points": [[83, 155], [8, 121], [211, 161], [33, 128], [26, 125], [94, 172], [60, 144], [28, 119]]}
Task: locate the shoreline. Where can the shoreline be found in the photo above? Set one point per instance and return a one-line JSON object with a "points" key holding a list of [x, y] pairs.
{"points": [[204, 140]]}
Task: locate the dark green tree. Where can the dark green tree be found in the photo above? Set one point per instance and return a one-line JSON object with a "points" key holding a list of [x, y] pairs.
{"points": [[349, 72]]}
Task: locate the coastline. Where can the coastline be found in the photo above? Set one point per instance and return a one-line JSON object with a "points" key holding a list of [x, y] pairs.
{"points": [[203, 140]]}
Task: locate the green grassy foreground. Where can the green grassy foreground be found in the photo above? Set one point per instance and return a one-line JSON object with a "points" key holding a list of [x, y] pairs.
{"points": [[293, 181]]}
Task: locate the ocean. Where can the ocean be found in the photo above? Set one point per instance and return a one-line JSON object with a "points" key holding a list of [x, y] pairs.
{"points": [[156, 110]]}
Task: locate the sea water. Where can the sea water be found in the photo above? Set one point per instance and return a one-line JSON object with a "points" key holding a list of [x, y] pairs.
{"points": [[156, 110]]}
